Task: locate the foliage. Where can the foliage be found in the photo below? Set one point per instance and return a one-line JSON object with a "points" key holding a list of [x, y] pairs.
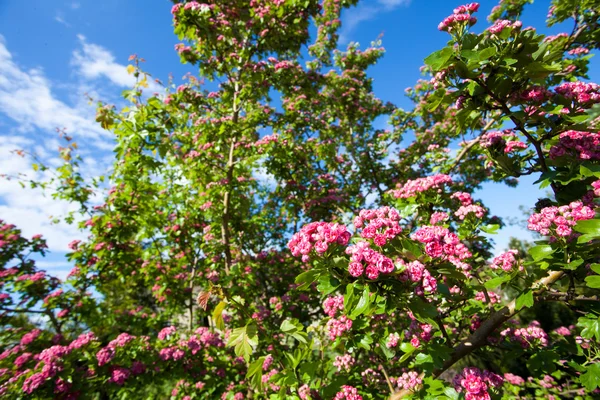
{"points": [[357, 269]]}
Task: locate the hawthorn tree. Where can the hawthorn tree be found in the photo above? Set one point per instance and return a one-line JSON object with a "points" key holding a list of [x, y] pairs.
{"points": [[359, 269]]}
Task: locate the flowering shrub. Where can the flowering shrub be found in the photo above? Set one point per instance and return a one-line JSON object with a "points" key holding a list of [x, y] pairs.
{"points": [[198, 279]]}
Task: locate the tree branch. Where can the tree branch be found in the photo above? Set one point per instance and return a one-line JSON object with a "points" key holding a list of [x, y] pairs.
{"points": [[479, 337]]}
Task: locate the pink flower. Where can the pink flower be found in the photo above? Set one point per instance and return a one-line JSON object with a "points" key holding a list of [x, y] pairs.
{"points": [[347, 393], [119, 375]]}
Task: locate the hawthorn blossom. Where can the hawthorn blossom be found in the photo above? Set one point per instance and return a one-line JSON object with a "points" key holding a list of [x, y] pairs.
{"points": [[413, 187], [557, 221], [475, 383], [506, 261], [576, 144], [317, 236], [347, 393]]}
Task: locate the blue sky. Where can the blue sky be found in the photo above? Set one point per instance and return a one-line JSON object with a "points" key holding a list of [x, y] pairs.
{"points": [[55, 53]]}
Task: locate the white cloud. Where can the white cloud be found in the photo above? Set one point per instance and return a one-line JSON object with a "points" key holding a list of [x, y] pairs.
{"points": [[26, 97], [390, 4], [30, 209], [60, 18], [96, 62], [30, 111], [364, 12]]}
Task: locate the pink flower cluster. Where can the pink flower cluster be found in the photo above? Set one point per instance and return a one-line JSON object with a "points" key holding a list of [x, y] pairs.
{"points": [[460, 16], [596, 188], [555, 37], [381, 224], [437, 217], [51, 358], [333, 304], [580, 92], [501, 24], [337, 327], [581, 145], [506, 261], [166, 332], [348, 393], [317, 236], [30, 336], [416, 272], [409, 380], [528, 337], [441, 243], [514, 379], [506, 141], [535, 94], [476, 209], [392, 340], [374, 262], [494, 297], [464, 198], [413, 187], [578, 51], [344, 363], [418, 331], [475, 383], [557, 221]]}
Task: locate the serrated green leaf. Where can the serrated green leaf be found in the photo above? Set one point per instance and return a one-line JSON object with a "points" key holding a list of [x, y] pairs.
{"points": [[217, 315], [438, 59], [497, 281], [591, 378], [363, 304], [591, 227], [541, 251], [423, 358], [305, 279], [591, 327], [593, 281], [524, 300]]}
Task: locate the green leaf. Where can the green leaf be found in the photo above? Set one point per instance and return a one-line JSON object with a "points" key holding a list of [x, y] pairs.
{"points": [[423, 358], [492, 229], [451, 393], [486, 53], [244, 340], [217, 315], [288, 326], [438, 59], [593, 281], [591, 227], [590, 170], [306, 279], [543, 362], [497, 281], [407, 347], [255, 372], [541, 251], [327, 284], [591, 378], [349, 298], [524, 300], [591, 327], [573, 265], [363, 304], [387, 352]]}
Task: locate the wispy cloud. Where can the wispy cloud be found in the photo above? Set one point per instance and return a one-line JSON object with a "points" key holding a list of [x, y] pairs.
{"points": [[30, 112], [60, 18], [95, 62], [27, 98], [364, 12]]}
